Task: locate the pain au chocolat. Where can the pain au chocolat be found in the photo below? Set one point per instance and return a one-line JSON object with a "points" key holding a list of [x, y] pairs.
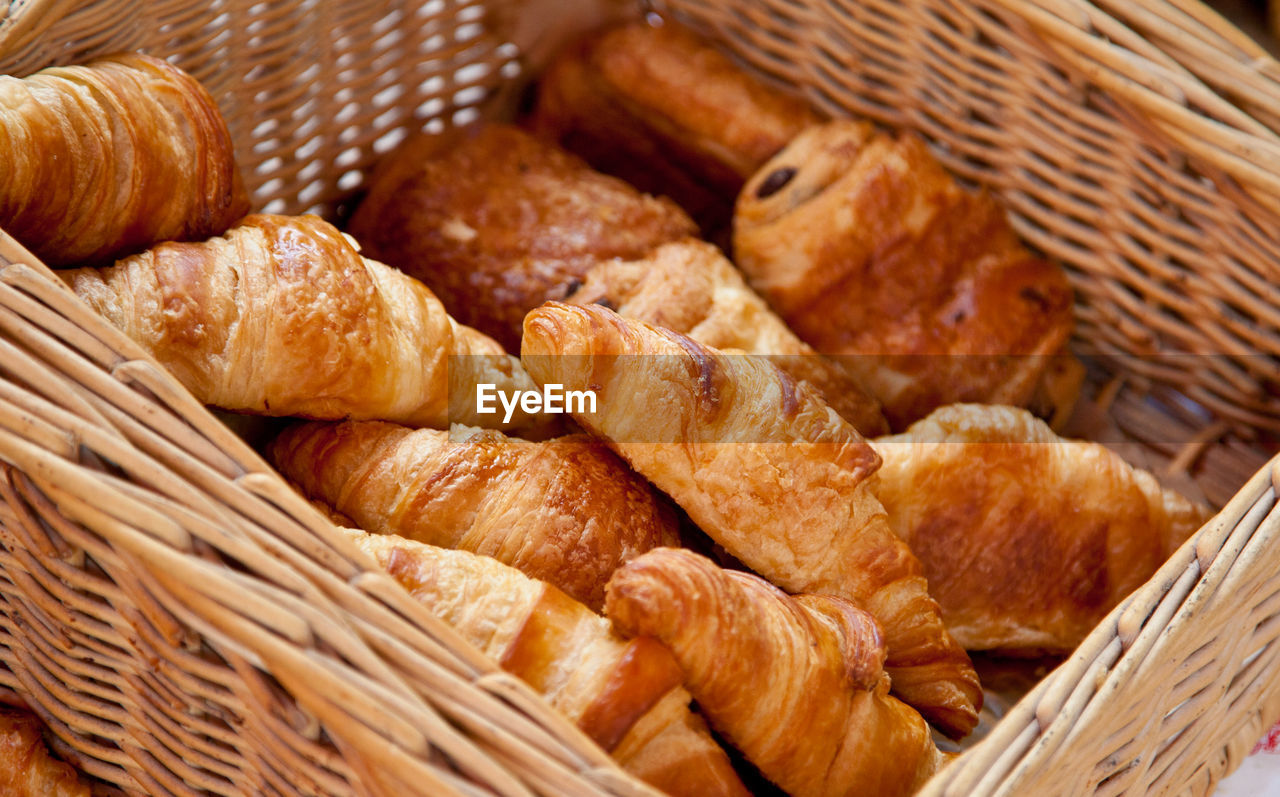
{"points": [[870, 251]]}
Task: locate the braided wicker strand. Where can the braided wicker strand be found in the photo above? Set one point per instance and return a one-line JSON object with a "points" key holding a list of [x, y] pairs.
{"points": [[166, 591], [183, 622]]}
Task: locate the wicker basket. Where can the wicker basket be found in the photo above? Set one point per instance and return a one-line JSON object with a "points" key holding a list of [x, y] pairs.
{"points": [[186, 625]]}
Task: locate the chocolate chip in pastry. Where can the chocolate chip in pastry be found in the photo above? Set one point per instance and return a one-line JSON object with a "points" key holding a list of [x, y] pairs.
{"points": [[668, 112], [870, 251]]}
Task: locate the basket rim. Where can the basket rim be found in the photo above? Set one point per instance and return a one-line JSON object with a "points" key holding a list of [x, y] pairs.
{"points": [[342, 654], [1143, 74]]}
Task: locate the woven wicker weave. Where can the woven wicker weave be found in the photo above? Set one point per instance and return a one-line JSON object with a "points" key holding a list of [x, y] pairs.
{"points": [[185, 624], [225, 638]]}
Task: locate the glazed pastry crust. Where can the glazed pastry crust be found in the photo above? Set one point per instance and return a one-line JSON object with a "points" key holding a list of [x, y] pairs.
{"points": [[106, 159], [767, 470], [689, 287], [496, 222], [796, 684], [626, 695], [566, 511], [282, 316], [609, 98], [872, 251], [26, 767], [1028, 539]]}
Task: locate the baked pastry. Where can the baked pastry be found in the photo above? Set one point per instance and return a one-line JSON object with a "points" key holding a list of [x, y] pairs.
{"points": [[26, 767], [796, 683], [567, 510], [282, 316], [766, 469], [689, 287], [106, 159], [1028, 540], [867, 248], [626, 695], [667, 112], [496, 222]]}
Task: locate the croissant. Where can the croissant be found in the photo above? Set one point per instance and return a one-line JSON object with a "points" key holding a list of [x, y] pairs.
{"points": [[797, 684], [767, 470], [866, 247], [567, 510], [609, 98], [496, 222], [282, 316], [626, 695], [689, 287], [1028, 540], [109, 158], [26, 767]]}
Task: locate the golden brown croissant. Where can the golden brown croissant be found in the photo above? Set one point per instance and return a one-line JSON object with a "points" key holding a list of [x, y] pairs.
{"points": [[106, 159], [797, 684], [567, 510], [496, 222], [689, 287], [26, 767], [1027, 539], [767, 470], [867, 248], [282, 316], [625, 695], [667, 112]]}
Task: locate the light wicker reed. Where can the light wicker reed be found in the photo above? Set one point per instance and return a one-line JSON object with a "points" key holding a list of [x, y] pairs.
{"points": [[224, 637], [185, 623]]}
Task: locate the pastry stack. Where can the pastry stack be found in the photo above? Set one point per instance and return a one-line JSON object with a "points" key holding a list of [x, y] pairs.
{"points": [[820, 466]]}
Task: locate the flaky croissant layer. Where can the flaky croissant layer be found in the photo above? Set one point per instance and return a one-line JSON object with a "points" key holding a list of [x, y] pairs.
{"points": [[794, 502], [869, 249], [106, 159], [567, 510], [611, 99], [625, 695], [1027, 539], [796, 683], [690, 287], [282, 316]]}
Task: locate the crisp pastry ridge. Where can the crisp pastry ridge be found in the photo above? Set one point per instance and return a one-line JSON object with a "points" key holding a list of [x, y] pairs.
{"points": [[766, 469], [567, 510], [690, 287], [625, 694], [108, 158], [608, 98], [873, 253], [1028, 539], [282, 316], [796, 683]]}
